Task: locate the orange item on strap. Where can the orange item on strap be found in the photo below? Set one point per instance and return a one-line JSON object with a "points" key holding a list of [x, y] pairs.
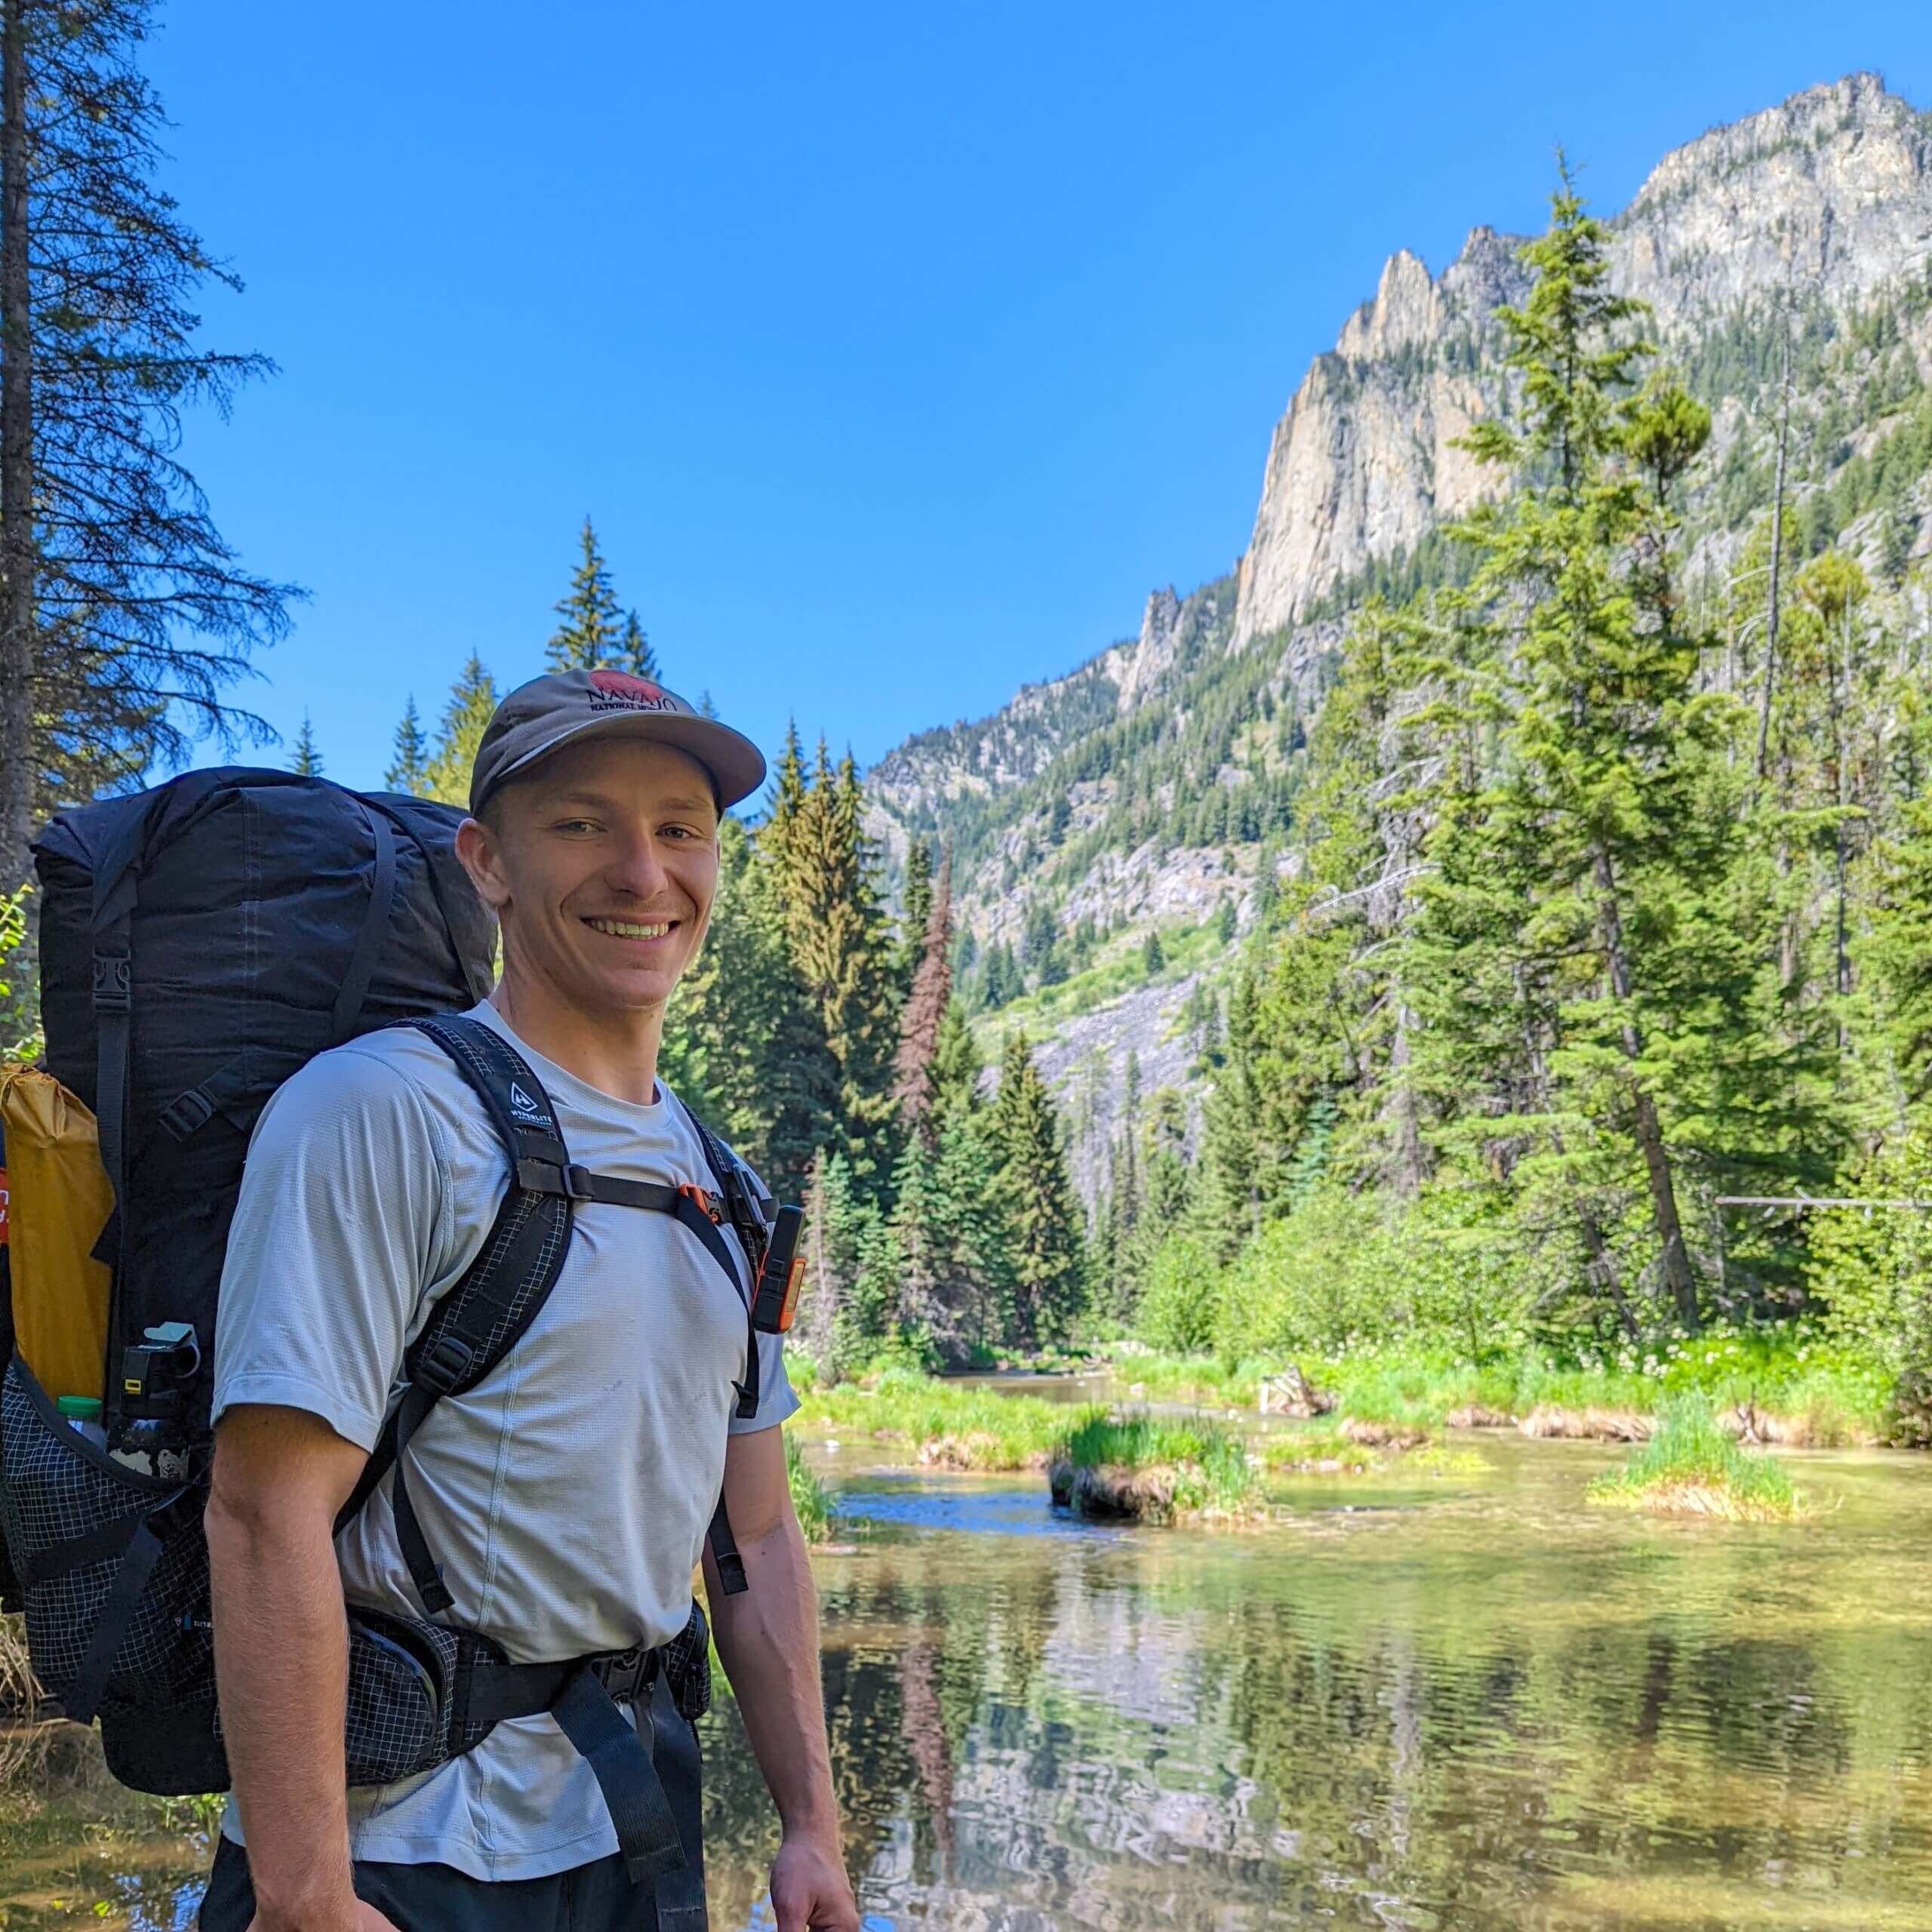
{"points": [[58, 1201]]}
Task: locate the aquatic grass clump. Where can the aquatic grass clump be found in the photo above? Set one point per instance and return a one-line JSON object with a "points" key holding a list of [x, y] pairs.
{"points": [[1691, 1466], [1152, 1469], [811, 1503], [947, 1425]]}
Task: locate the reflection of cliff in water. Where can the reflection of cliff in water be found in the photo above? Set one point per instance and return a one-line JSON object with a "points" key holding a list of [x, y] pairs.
{"points": [[1491, 1710]]}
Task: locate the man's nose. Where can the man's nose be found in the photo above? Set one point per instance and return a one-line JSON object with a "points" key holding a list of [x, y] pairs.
{"points": [[638, 868]]}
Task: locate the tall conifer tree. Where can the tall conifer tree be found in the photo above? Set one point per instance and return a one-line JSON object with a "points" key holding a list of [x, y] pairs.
{"points": [[926, 1007], [306, 760], [126, 615], [588, 633], [409, 769], [1046, 1248], [471, 700]]}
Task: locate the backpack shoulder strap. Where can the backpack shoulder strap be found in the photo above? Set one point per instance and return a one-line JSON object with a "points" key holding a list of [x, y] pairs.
{"points": [[480, 1320]]}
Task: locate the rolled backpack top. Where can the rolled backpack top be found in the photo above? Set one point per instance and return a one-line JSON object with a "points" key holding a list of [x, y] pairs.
{"points": [[199, 943]]}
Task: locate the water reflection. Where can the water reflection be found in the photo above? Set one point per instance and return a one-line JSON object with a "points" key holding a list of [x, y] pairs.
{"points": [[1482, 1709], [1467, 1707]]}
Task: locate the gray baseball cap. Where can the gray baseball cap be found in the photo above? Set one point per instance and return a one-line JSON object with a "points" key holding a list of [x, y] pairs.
{"points": [[562, 706]]}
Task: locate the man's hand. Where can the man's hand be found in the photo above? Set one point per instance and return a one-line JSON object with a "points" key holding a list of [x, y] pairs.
{"points": [[362, 1917], [809, 1891], [768, 1639]]}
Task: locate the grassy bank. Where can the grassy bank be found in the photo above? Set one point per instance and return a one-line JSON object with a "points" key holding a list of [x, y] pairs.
{"points": [[1798, 1389], [1690, 1467], [810, 1501], [944, 1425], [1152, 1469]]}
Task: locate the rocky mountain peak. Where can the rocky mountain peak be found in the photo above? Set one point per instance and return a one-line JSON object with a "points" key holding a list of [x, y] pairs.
{"points": [[1827, 196]]}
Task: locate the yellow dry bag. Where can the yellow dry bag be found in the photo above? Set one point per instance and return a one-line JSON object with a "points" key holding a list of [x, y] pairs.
{"points": [[58, 1202]]}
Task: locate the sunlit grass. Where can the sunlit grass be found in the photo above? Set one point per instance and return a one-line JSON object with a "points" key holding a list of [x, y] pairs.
{"points": [[1690, 1466], [810, 1503], [945, 1424], [1152, 1469], [1805, 1393]]}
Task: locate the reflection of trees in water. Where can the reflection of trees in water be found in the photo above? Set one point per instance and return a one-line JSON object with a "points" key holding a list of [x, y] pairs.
{"points": [[925, 1737], [1382, 1729]]}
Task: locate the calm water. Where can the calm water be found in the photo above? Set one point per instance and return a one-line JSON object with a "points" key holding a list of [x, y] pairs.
{"points": [[1474, 1705]]}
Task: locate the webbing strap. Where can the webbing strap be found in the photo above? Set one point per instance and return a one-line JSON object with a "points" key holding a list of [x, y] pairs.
{"points": [[425, 1572], [724, 1552], [82, 1698], [361, 968], [620, 1758]]}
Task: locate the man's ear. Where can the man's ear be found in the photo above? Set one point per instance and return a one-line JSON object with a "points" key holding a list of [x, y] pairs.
{"points": [[482, 859]]}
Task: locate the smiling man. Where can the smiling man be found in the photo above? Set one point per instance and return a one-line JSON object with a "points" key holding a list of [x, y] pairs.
{"points": [[566, 1494]]}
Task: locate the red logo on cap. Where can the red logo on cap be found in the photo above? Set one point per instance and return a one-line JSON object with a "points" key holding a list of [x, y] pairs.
{"points": [[626, 689]]}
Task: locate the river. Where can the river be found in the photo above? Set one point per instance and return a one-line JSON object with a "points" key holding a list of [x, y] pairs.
{"points": [[1473, 1702]]}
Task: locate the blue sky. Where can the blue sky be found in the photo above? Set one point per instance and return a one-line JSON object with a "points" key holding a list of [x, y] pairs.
{"points": [[897, 351]]}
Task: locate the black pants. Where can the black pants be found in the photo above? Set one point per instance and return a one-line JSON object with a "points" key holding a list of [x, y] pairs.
{"points": [[597, 1897]]}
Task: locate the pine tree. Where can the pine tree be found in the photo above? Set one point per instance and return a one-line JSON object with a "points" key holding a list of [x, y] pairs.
{"points": [[634, 653], [822, 872], [125, 616], [1601, 812], [1046, 1251], [306, 760], [588, 634], [1896, 956], [471, 700], [926, 1008], [786, 795], [1153, 957], [915, 897], [744, 1045], [956, 1068], [409, 770]]}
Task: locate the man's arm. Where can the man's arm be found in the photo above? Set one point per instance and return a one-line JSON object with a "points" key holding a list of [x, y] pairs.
{"points": [[767, 1637], [281, 1659]]}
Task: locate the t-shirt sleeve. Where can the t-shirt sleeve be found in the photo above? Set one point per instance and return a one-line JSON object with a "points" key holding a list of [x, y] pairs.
{"points": [[336, 1233], [777, 1398]]}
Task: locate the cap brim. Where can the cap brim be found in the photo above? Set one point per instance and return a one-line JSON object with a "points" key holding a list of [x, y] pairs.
{"points": [[736, 765]]}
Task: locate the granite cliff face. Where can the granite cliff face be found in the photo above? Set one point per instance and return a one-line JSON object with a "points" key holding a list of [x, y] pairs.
{"points": [[1151, 786], [1827, 198]]}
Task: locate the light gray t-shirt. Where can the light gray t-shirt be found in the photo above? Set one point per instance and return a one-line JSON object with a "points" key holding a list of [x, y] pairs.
{"points": [[568, 1494]]}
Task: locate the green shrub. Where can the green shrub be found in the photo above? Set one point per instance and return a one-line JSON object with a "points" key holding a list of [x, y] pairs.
{"points": [[1179, 1300]]}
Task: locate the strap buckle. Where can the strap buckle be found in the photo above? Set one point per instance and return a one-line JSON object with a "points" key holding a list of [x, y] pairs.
{"points": [[113, 982], [187, 1113], [627, 1674], [444, 1364], [707, 1204], [535, 1175]]}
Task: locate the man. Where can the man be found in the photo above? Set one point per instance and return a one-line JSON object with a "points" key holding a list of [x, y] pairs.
{"points": [[567, 1494]]}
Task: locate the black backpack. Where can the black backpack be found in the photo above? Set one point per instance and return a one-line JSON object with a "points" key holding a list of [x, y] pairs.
{"points": [[199, 943]]}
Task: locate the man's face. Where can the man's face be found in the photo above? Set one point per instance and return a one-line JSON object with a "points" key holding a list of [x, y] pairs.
{"points": [[602, 865]]}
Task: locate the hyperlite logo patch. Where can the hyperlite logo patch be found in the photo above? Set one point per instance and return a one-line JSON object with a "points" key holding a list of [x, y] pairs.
{"points": [[522, 1105]]}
